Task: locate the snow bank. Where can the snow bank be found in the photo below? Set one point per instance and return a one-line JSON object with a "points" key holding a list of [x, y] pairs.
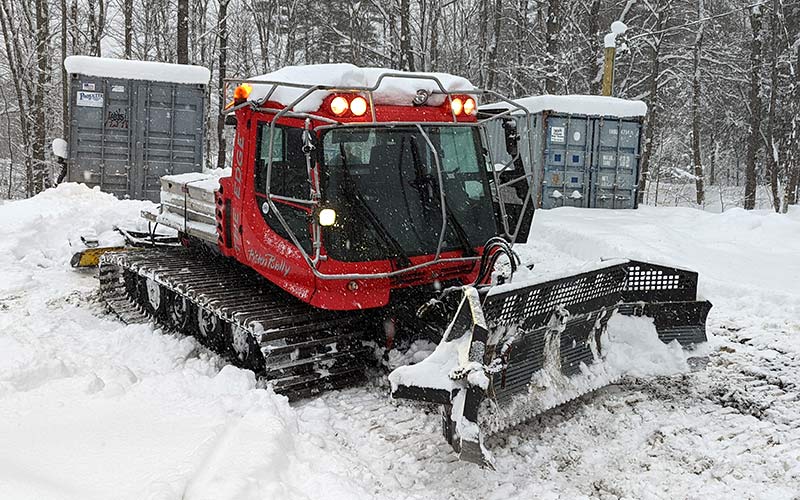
{"points": [[94, 409], [592, 105], [727, 250], [397, 91], [137, 70]]}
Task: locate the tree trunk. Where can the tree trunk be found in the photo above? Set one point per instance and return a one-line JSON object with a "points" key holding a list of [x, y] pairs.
{"points": [[406, 54], [519, 72], [754, 98], [97, 21], [75, 30], [222, 29], [64, 75], [712, 161], [183, 32], [15, 60], [434, 47], [790, 194], [127, 13], [595, 63], [772, 160], [42, 80], [696, 156], [652, 112], [494, 48], [552, 28]]}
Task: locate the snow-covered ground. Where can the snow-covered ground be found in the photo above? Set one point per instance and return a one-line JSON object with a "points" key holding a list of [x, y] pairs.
{"points": [[93, 409]]}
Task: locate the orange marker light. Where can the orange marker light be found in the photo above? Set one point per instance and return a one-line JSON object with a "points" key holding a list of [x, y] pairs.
{"points": [[339, 105], [469, 106], [457, 105], [358, 106], [242, 92]]}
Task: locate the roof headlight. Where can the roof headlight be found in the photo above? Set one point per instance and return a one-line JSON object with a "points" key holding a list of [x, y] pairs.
{"points": [[358, 106], [339, 105]]}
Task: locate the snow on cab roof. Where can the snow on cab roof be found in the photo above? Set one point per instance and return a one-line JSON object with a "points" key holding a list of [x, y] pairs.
{"points": [[577, 105], [137, 70], [396, 91]]}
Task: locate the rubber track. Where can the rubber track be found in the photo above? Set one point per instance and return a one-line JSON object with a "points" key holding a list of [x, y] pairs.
{"points": [[306, 350]]}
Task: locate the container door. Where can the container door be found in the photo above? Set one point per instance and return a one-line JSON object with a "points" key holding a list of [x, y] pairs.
{"points": [[101, 134], [614, 172], [170, 139], [565, 181]]}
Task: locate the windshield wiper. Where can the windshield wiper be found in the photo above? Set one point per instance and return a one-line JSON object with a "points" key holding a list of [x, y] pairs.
{"points": [[388, 240], [424, 184], [469, 251]]}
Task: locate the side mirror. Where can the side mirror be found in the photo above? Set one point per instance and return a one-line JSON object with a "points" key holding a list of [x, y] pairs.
{"points": [[230, 120], [512, 137]]}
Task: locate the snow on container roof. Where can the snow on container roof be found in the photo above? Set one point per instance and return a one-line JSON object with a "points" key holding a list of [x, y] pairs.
{"points": [[137, 70], [577, 105], [396, 91]]}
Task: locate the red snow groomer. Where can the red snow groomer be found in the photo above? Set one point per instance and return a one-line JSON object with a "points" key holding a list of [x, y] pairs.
{"points": [[355, 198]]}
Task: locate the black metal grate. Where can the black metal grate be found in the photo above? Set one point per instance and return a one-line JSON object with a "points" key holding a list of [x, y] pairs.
{"points": [[653, 283], [531, 307]]}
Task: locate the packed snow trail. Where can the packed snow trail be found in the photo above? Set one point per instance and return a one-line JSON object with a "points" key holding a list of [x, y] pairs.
{"points": [[91, 408]]}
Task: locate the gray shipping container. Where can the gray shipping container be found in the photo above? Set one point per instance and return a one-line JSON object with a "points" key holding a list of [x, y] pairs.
{"points": [[126, 132], [575, 159]]}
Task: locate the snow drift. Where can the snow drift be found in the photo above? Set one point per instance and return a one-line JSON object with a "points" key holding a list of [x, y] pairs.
{"points": [[92, 409]]}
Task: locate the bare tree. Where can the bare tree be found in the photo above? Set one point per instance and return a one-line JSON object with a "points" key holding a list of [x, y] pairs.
{"points": [[222, 32], [553, 26], [696, 156], [127, 13], [183, 32], [661, 14], [64, 76], [406, 54], [754, 102], [97, 25]]}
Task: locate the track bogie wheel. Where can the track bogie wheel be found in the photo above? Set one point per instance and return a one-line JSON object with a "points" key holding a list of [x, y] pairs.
{"points": [[246, 351], [151, 297], [178, 312], [211, 330]]}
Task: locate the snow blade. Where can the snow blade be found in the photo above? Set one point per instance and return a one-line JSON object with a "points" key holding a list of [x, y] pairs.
{"points": [[90, 256], [514, 351]]}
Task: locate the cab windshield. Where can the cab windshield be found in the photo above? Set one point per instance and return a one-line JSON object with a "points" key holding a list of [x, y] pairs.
{"points": [[384, 186]]}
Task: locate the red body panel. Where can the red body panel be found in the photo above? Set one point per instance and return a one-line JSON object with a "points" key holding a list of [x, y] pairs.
{"points": [[245, 236]]}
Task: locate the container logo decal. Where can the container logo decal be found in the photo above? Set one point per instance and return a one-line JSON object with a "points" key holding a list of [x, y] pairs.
{"points": [[87, 86], [117, 118], [557, 134], [90, 99]]}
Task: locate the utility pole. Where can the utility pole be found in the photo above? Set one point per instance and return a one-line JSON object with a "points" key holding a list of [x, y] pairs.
{"points": [[609, 52]]}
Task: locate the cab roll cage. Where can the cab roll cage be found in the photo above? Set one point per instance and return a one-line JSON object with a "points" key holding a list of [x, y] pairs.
{"points": [[315, 194]]}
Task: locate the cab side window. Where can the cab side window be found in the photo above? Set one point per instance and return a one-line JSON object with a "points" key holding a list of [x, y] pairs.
{"points": [[289, 174], [289, 179]]}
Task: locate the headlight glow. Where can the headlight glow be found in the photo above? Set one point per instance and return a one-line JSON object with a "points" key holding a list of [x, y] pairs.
{"points": [[339, 105], [358, 106], [327, 217]]}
